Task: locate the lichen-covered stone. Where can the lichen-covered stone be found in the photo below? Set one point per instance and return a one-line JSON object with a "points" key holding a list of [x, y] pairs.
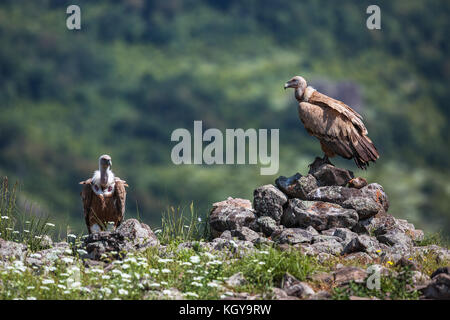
{"points": [[294, 236], [329, 175], [319, 215], [230, 214], [297, 186], [365, 207], [269, 201]]}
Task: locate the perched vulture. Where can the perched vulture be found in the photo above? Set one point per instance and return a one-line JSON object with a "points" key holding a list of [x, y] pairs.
{"points": [[103, 197], [338, 127]]}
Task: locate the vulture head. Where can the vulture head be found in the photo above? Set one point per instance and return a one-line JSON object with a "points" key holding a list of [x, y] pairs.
{"points": [[104, 162], [298, 83]]}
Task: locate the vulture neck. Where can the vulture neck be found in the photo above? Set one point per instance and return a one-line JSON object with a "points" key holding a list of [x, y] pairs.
{"points": [[299, 93], [104, 175]]}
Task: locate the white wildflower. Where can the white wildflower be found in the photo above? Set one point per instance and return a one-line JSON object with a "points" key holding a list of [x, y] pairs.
{"points": [[81, 251], [154, 285], [106, 291], [48, 281], [123, 292], [197, 284], [194, 259], [212, 285], [191, 294], [67, 260]]}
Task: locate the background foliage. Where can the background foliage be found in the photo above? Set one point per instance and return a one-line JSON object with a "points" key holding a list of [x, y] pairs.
{"points": [[140, 69]]}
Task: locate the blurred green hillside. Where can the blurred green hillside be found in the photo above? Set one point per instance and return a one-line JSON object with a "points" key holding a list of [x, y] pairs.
{"points": [[139, 69]]}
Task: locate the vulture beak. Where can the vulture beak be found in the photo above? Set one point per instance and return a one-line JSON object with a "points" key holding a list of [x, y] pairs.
{"points": [[286, 85]]}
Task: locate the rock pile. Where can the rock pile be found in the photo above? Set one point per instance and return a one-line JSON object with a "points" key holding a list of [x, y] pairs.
{"points": [[129, 236], [327, 212]]}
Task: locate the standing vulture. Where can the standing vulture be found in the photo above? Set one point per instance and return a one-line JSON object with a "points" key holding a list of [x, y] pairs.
{"points": [[338, 127], [103, 197]]}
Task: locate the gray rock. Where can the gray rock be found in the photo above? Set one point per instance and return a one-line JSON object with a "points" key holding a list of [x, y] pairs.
{"points": [[312, 230], [395, 238], [365, 207], [294, 287], [137, 235], [329, 175], [246, 234], [236, 280], [438, 288], [267, 225], [345, 234], [297, 186], [324, 238], [331, 246], [269, 201], [321, 295], [129, 236], [346, 274], [294, 236], [11, 250], [334, 194], [329, 232], [360, 257], [361, 243], [241, 248], [376, 192], [339, 194], [279, 294], [226, 235], [230, 214], [440, 270], [319, 215]]}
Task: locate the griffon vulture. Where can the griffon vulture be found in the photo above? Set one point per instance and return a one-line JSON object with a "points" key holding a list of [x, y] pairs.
{"points": [[103, 197], [338, 127]]}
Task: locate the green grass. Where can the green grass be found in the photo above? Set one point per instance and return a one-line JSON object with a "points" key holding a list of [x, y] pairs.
{"points": [[21, 224], [436, 238], [179, 226]]}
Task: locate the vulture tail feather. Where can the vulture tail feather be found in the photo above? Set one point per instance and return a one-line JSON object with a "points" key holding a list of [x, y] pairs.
{"points": [[365, 151]]}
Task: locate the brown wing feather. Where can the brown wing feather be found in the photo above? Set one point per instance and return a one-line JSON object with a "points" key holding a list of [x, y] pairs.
{"points": [[338, 132], [322, 99], [86, 198], [120, 195]]}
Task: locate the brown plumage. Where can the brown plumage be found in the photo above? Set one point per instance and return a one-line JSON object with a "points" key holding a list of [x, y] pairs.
{"points": [[103, 197], [338, 127]]}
